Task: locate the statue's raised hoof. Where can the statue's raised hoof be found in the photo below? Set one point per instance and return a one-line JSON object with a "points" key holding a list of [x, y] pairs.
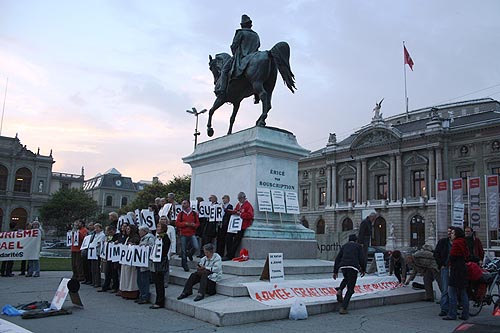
{"points": [[210, 131]]}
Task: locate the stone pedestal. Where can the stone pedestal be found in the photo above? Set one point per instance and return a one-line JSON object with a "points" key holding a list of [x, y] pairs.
{"points": [[391, 243], [258, 157]]}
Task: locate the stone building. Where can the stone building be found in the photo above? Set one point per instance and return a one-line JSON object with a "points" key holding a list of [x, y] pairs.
{"points": [[64, 180], [111, 190], [25, 177], [391, 165]]}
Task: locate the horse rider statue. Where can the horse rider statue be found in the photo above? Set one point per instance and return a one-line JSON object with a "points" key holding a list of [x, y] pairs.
{"points": [[245, 43]]}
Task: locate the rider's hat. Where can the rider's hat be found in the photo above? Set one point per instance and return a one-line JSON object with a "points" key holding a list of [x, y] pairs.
{"points": [[245, 19]]}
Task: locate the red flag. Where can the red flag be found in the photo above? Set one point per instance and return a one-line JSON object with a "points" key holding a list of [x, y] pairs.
{"points": [[408, 59]]}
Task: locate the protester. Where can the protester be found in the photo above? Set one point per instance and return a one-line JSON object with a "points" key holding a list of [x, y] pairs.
{"points": [[109, 267], [6, 269], [172, 250], [87, 265], [222, 227], [210, 230], [350, 260], [245, 210], [34, 265], [208, 273], [365, 233], [95, 264], [459, 254], [187, 222], [76, 255], [158, 269], [423, 263], [203, 221], [442, 254], [474, 245], [113, 219], [397, 266], [128, 274], [143, 273]]}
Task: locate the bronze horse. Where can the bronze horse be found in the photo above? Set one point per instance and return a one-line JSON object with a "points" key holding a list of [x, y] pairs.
{"points": [[259, 78]]}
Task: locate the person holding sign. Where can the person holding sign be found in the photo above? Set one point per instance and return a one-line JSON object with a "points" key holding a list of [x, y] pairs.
{"points": [[109, 267], [210, 230], [222, 231], [350, 260], [76, 254], [245, 211], [95, 262], [128, 274], [34, 265], [187, 222], [143, 273], [208, 273], [159, 263]]}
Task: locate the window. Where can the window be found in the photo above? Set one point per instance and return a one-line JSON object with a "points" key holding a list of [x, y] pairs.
{"points": [[109, 200], [382, 187], [40, 186], [23, 180], [494, 171], [322, 171], [320, 226], [464, 175], [349, 189], [322, 196], [347, 224], [305, 175], [3, 178], [124, 201], [305, 197], [65, 186], [419, 183]]}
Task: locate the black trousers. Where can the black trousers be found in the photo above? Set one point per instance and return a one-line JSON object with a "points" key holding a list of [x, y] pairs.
{"points": [[221, 239], [233, 241], [6, 269], [207, 286], [77, 266], [350, 278], [96, 271], [87, 270], [159, 279]]}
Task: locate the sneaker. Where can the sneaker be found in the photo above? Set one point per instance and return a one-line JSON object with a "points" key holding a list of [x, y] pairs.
{"points": [[442, 314], [339, 295], [36, 275], [342, 311]]}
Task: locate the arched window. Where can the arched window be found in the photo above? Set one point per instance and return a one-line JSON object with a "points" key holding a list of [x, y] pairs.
{"points": [[1, 219], [109, 200], [417, 231], [320, 227], [4, 173], [379, 233], [19, 216], [23, 180], [124, 201], [347, 224]]}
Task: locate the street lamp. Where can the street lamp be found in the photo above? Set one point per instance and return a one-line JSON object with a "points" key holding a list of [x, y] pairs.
{"points": [[194, 112]]}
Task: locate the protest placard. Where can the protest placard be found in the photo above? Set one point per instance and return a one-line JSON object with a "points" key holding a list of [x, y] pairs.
{"points": [[264, 200], [235, 223], [157, 249], [292, 203], [278, 198]]}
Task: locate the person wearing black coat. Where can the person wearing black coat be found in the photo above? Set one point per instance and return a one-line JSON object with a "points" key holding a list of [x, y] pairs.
{"points": [[350, 260]]}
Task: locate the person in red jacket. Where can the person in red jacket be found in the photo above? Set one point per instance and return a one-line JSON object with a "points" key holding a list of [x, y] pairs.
{"points": [[187, 222], [76, 254], [245, 210]]}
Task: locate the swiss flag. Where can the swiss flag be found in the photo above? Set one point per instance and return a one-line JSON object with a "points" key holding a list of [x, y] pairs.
{"points": [[408, 59]]}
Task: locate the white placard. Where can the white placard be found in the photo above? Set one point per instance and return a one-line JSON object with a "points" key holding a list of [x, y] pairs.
{"points": [[92, 252], [121, 220], [115, 251], [216, 213], [292, 203], [86, 242], [204, 209], [123, 254], [278, 201], [140, 256], [60, 296], [102, 250], [264, 200], [157, 250], [147, 218], [69, 238], [379, 261], [458, 215], [235, 223], [276, 269]]}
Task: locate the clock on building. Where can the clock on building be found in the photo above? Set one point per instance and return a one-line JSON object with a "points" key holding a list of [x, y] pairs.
{"points": [[118, 182]]}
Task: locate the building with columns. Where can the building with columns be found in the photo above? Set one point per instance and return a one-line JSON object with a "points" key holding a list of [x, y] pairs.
{"points": [[391, 165]]}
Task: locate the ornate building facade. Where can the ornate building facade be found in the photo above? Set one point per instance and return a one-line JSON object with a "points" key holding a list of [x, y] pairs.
{"points": [[391, 165]]}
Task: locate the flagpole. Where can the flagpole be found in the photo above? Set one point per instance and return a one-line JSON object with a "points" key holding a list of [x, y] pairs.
{"points": [[487, 217], [406, 94], [3, 109]]}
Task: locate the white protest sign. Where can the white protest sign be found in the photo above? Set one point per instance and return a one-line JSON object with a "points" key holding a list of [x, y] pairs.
{"points": [[137, 217], [69, 238], [131, 218], [235, 224], [147, 218], [140, 256], [194, 205], [60, 296], [128, 255], [379, 261], [276, 269], [216, 213], [157, 249], [86, 242], [121, 220], [76, 236], [176, 211], [102, 250], [115, 251], [92, 252], [278, 197], [123, 253], [204, 210], [264, 200], [458, 215], [292, 203]]}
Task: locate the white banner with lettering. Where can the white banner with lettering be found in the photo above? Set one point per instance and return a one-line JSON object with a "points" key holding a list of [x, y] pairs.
{"points": [[285, 292], [474, 201], [20, 245], [442, 206], [492, 201]]}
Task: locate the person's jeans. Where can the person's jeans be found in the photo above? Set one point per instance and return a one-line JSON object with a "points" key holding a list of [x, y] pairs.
{"points": [[194, 247], [207, 286], [350, 278], [444, 302], [34, 267], [453, 294], [143, 279]]}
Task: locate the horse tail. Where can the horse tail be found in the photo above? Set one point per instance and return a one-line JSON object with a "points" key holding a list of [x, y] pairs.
{"points": [[281, 55]]}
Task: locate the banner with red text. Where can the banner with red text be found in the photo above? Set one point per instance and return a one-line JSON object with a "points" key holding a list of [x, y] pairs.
{"points": [[492, 201], [20, 245], [457, 203], [474, 198], [442, 206], [285, 292]]}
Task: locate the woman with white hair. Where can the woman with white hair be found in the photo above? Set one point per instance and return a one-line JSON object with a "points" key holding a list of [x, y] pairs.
{"points": [[34, 265], [143, 273]]}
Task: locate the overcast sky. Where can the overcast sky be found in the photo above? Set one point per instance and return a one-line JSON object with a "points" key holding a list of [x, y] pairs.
{"points": [[106, 83]]}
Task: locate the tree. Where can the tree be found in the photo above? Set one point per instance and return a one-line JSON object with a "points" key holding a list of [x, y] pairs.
{"points": [[65, 206]]}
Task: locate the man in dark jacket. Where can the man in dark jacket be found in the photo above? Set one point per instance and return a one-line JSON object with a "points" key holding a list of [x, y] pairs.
{"points": [[442, 254], [365, 233], [351, 260]]}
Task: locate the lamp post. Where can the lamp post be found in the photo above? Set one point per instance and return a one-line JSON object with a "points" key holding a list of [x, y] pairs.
{"points": [[194, 112]]}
